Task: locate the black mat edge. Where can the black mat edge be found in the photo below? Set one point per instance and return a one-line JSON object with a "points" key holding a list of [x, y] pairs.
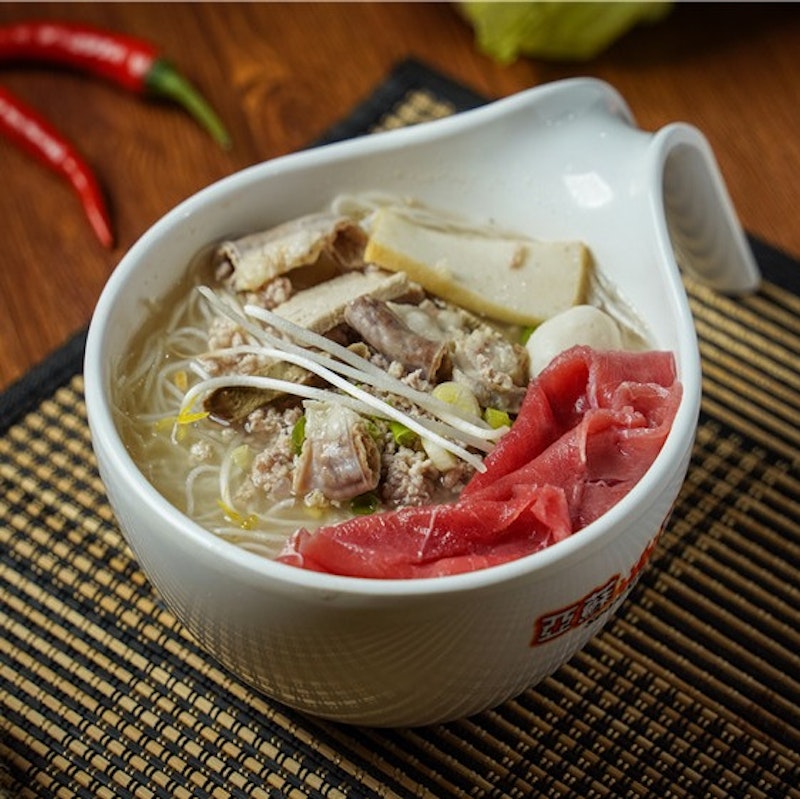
{"points": [[42, 380], [777, 267], [407, 76]]}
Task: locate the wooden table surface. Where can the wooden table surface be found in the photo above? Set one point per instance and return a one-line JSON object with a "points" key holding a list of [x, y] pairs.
{"points": [[281, 74]]}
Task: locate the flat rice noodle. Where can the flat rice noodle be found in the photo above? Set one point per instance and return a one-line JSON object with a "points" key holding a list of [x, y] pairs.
{"points": [[590, 426]]}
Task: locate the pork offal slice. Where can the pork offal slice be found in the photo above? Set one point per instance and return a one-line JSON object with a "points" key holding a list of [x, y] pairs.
{"points": [[259, 257], [320, 309]]}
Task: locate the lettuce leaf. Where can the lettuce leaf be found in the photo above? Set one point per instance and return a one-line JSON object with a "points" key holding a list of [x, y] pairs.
{"points": [[574, 31]]}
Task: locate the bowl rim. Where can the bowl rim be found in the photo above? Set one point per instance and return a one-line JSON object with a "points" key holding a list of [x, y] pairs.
{"points": [[560, 555]]}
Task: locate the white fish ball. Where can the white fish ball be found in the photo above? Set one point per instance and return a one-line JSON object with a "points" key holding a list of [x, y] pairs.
{"points": [[581, 324]]}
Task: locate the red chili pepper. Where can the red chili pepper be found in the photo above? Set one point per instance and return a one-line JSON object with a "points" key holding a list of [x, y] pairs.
{"points": [[27, 128], [130, 62]]}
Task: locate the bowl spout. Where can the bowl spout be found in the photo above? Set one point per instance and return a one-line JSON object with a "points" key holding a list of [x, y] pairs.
{"points": [[699, 218]]}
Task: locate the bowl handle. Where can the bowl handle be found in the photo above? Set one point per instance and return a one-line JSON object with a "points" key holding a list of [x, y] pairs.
{"points": [[706, 236]]}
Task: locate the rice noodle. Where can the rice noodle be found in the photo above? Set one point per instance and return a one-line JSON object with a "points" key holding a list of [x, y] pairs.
{"points": [[191, 478]]}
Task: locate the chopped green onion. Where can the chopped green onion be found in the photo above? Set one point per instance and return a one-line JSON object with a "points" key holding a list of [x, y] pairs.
{"points": [[364, 504], [187, 416], [299, 435], [496, 418], [458, 395], [526, 333], [181, 380], [373, 429], [242, 456], [403, 436]]}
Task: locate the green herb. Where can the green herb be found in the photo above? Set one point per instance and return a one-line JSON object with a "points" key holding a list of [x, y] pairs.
{"points": [[526, 333], [299, 435], [364, 504], [242, 456], [496, 418], [403, 436], [374, 430]]}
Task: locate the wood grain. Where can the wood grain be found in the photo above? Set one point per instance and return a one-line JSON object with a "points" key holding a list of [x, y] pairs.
{"points": [[281, 74]]}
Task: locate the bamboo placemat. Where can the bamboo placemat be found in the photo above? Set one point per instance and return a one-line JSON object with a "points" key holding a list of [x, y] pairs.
{"points": [[691, 691]]}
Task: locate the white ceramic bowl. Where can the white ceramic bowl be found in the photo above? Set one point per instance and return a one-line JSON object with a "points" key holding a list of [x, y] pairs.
{"points": [[563, 160]]}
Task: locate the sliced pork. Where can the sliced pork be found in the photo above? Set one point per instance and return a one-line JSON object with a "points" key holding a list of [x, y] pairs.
{"points": [[253, 260], [384, 330], [339, 457]]}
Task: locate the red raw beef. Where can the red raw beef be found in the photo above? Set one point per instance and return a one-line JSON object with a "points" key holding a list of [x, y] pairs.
{"points": [[433, 540], [590, 426], [576, 382]]}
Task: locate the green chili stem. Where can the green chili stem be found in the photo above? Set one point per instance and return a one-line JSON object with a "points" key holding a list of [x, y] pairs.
{"points": [[163, 81]]}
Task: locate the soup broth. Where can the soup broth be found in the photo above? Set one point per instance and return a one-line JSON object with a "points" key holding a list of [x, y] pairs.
{"points": [[359, 360]]}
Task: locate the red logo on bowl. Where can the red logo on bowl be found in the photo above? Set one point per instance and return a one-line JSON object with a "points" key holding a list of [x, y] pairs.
{"points": [[589, 607]]}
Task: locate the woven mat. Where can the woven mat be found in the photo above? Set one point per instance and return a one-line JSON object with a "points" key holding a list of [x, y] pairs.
{"points": [[692, 690]]}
